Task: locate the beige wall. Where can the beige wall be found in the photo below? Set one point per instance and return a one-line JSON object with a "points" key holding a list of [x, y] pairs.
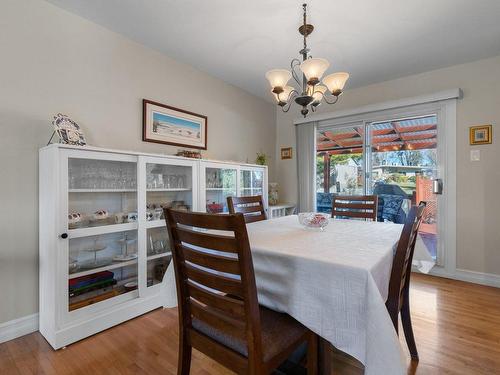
{"points": [[52, 61], [478, 223]]}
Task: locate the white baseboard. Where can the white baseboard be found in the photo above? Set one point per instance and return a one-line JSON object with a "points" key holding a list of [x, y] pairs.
{"points": [[18, 327], [488, 279]]}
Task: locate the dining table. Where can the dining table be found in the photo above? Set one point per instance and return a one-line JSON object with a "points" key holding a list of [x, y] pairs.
{"points": [[334, 281]]}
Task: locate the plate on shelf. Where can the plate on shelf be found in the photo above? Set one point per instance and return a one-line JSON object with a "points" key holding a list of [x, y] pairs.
{"points": [[96, 248], [90, 264], [124, 258]]}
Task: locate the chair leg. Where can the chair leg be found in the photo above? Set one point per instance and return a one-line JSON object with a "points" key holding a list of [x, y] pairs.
{"points": [[312, 354], [184, 364], [408, 329]]}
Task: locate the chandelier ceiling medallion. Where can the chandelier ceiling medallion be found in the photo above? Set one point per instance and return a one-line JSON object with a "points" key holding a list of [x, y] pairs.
{"points": [[312, 93]]}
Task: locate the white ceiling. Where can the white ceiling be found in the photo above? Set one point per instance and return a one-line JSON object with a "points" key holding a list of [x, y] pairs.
{"points": [[239, 40]]}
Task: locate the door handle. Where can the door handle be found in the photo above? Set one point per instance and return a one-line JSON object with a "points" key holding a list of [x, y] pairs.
{"points": [[437, 186]]}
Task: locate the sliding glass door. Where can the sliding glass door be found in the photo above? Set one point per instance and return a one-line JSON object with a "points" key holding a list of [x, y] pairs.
{"points": [[395, 159]]}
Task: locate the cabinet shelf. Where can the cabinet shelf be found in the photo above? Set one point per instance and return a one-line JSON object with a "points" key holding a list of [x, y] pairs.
{"points": [[109, 267], [162, 255], [155, 223], [103, 229], [220, 189], [165, 189], [102, 190]]}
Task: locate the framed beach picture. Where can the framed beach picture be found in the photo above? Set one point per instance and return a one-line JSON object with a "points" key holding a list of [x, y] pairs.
{"points": [[480, 135], [173, 126]]}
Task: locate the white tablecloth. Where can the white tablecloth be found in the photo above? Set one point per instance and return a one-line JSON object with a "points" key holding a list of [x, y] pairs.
{"points": [[334, 282]]}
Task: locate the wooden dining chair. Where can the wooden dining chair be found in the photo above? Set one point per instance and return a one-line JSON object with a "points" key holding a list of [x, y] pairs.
{"points": [[251, 207], [399, 285], [355, 206], [219, 313]]}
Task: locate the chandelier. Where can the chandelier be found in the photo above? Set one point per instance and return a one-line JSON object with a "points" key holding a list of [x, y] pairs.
{"points": [[312, 93]]}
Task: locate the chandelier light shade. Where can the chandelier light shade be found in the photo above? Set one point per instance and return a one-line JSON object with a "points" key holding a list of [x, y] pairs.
{"points": [[317, 94], [313, 69], [278, 77], [307, 74], [283, 97], [336, 82]]}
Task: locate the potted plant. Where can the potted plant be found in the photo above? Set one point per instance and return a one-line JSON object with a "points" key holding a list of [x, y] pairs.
{"points": [[261, 158]]}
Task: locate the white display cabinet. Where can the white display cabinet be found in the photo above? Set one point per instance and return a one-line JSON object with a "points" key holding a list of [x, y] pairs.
{"points": [[104, 247]]}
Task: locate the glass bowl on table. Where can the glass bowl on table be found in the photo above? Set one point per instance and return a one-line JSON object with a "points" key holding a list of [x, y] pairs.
{"points": [[314, 220]]}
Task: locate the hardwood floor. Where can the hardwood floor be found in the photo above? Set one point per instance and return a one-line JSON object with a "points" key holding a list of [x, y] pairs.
{"points": [[456, 324]]}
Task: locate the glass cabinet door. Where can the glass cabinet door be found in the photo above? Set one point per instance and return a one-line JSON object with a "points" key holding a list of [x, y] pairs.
{"points": [[220, 183], [251, 182], [101, 267], [101, 192], [159, 255], [167, 186], [102, 229]]}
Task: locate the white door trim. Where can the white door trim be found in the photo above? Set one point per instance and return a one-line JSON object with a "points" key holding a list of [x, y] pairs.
{"points": [[392, 104]]}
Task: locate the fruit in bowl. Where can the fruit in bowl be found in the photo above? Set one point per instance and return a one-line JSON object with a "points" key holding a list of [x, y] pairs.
{"points": [[314, 220]]}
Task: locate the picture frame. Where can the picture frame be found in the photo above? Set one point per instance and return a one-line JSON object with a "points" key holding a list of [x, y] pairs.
{"points": [[286, 153], [480, 135], [169, 125]]}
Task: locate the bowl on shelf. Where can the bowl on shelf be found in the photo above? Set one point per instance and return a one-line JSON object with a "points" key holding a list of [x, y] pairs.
{"points": [[131, 285], [215, 208], [314, 220]]}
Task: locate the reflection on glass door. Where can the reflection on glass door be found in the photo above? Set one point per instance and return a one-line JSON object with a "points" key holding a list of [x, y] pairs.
{"points": [[251, 182], [403, 164], [339, 164], [167, 186], [158, 255]]}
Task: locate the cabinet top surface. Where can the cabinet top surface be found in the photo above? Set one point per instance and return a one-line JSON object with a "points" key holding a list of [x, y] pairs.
{"points": [[139, 153]]}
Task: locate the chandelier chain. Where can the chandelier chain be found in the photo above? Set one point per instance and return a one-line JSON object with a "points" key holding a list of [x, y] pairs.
{"points": [[305, 25]]}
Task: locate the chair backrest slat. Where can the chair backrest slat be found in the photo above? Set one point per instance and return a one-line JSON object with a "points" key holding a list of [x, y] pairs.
{"points": [[248, 209], [214, 281], [216, 262], [209, 241], [214, 276], [401, 265], [355, 206], [219, 301], [252, 207], [215, 319]]}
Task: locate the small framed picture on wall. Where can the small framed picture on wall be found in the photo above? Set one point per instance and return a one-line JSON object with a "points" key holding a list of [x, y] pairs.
{"points": [[286, 153], [173, 126], [480, 135]]}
